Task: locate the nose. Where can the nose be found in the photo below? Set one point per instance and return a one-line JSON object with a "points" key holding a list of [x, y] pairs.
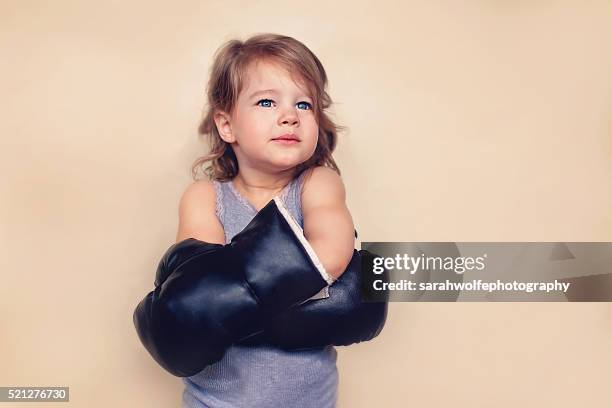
{"points": [[288, 116]]}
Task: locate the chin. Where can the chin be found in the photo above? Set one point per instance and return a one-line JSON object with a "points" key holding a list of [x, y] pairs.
{"points": [[289, 162]]}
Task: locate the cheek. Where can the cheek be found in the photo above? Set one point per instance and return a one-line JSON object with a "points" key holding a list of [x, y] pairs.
{"points": [[310, 125], [315, 134], [313, 139], [254, 124]]}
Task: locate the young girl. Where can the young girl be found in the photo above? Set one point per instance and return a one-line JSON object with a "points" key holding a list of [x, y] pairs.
{"points": [[270, 136]]}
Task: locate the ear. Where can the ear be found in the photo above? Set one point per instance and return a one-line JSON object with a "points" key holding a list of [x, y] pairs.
{"points": [[222, 121]]}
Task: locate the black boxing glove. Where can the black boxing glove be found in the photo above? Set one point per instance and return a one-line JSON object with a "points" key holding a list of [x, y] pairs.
{"points": [[208, 296], [340, 320]]}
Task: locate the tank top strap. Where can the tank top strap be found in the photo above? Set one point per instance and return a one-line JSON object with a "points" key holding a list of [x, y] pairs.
{"points": [[219, 198], [292, 197]]}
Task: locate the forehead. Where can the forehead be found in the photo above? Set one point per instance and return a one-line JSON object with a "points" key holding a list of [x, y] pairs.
{"points": [[271, 75]]}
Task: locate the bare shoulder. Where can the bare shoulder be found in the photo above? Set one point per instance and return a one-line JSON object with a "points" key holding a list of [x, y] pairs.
{"points": [[322, 187], [197, 217], [202, 190]]}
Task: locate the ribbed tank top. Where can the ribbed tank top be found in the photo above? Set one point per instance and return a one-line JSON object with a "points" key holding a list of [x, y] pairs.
{"points": [[258, 377]]}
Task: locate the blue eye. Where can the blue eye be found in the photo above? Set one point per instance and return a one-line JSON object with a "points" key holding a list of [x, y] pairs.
{"points": [[308, 106], [266, 101]]}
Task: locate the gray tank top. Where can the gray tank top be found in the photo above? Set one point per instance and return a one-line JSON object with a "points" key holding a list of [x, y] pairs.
{"points": [[256, 377]]}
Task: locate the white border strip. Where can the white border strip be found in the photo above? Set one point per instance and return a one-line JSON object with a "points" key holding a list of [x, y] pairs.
{"points": [[299, 233]]}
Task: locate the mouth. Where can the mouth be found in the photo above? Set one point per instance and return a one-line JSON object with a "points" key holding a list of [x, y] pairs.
{"points": [[287, 139]]}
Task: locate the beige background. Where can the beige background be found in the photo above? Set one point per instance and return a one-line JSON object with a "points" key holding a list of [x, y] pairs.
{"points": [[468, 121]]}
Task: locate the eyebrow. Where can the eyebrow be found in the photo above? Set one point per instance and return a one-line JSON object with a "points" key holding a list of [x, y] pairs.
{"points": [[273, 91]]}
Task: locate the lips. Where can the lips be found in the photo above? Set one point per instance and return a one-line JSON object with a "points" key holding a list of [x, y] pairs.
{"points": [[287, 137]]}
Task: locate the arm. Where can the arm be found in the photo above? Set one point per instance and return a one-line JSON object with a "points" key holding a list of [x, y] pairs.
{"points": [[197, 217], [328, 225]]}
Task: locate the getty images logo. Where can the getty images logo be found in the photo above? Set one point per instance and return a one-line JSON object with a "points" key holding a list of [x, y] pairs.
{"points": [[413, 264]]}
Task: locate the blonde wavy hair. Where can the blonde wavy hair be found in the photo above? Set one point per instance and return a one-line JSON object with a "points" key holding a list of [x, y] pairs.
{"points": [[226, 81]]}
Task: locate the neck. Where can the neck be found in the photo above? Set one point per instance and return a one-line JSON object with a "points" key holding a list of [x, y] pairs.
{"points": [[259, 184]]}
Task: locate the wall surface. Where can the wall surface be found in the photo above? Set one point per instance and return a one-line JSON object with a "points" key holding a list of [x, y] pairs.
{"points": [[467, 121]]}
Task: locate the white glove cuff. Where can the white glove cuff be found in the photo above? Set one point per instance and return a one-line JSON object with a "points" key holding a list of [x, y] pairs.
{"points": [[299, 233]]}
